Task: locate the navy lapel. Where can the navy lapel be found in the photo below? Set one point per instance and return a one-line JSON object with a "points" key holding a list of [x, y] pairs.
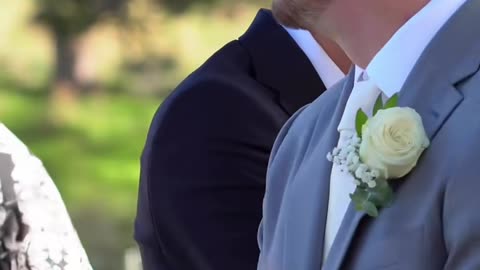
{"points": [[309, 196], [431, 90], [280, 64]]}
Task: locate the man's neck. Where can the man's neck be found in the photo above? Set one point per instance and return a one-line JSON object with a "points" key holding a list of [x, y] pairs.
{"points": [[335, 53], [368, 29]]}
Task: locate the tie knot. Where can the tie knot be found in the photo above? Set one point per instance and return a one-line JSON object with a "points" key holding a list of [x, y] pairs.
{"points": [[363, 96], [363, 77]]}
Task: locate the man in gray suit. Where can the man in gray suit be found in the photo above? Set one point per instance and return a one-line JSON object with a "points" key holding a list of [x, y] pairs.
{"points": [[427, 53]]}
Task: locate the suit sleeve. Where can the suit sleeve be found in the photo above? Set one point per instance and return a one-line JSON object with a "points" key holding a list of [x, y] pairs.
{"points": [[462, 217], [203, 180]]}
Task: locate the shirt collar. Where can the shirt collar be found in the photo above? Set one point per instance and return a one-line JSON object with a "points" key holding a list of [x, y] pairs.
{"points": [[391, 66], [328, 71]]}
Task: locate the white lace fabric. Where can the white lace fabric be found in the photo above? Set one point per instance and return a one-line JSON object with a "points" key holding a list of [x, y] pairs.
{"points": [[52, 242]]}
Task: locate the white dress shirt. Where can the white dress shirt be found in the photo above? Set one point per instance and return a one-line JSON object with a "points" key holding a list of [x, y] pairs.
{"points": [[391, 66], [388, 70], [328, 71]]}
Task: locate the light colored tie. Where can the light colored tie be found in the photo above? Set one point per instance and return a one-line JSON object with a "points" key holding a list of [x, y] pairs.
{"points": [[363, 95]]}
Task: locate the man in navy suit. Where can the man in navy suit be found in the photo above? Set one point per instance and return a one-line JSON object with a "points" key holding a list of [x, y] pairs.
{"points": [[205, 160]]}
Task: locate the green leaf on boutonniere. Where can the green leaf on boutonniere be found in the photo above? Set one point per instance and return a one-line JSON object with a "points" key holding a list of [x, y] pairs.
{"points": [[371, 209], [358, 198], [382, 194], [361, 201], [391, 102], [378, 105], [371, 200], [360, 120]]}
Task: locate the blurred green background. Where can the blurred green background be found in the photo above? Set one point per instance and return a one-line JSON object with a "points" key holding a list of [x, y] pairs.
{"points": [[79, 83]]}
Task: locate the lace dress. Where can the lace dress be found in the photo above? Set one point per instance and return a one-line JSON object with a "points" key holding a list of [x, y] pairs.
{"points": [[50, 240]]}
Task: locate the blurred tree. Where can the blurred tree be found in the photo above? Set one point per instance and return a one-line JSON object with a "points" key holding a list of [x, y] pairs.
{"points": [[67, 20]]}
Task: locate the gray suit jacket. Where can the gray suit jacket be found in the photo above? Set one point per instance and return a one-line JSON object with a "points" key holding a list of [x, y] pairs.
{"points": [[434, 222]]}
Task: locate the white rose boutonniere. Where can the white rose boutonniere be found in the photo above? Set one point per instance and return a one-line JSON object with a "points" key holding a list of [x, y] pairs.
{"points": [[392, 141], [387, 146]]}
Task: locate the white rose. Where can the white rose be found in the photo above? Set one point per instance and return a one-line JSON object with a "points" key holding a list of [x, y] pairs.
{"points": [[392, 142]]}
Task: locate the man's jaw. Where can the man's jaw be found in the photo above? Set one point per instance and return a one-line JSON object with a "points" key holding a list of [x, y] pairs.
{"points": [[362, 30]]}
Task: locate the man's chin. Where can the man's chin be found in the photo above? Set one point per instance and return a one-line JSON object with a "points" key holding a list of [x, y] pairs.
{"points": [[286, 13]]}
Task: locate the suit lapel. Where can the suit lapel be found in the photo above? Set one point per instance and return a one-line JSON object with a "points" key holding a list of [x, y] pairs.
{"points": [[309, 196], [452, 56], [280, 64], [431, 90]]}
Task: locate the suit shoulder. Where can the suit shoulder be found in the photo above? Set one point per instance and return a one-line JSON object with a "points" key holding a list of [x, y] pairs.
{"points": [[300, 128], [231, 58], [215, 92], [309, 114], [226, 73], [216, 105]]}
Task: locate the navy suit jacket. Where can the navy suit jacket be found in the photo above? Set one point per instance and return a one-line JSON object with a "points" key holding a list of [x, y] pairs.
{"points": [[204, 164]]}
